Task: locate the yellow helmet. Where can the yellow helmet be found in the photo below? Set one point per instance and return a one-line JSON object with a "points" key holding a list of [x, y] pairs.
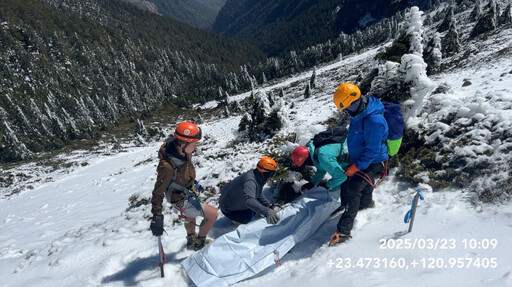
{"points": [[266, 164], [345, 95]]}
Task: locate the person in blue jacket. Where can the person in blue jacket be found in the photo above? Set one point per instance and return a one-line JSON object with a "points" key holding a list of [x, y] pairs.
{"points": [[367, 148], [329, 158]]}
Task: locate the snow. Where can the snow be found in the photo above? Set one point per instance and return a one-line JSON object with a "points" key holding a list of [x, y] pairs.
{"points": [[75, 228]]}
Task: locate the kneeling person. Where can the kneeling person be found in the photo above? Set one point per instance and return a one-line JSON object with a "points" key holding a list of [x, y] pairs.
{"points": [[242, 199]]}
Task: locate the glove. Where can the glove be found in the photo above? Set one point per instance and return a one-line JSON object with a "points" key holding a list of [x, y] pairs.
{"points": [[307, 186], [351, 170], [272, 217], [157, 224], [198, 188]]}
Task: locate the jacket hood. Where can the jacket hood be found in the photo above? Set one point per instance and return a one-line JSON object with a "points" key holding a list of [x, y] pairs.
{"points": [[374, 106]]}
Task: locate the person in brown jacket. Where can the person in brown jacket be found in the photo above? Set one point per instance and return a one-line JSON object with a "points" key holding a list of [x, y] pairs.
{"points": [[175, 181]]}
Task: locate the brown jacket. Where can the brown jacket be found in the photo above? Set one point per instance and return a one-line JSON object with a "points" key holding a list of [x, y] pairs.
{"points": [[185, 176]]}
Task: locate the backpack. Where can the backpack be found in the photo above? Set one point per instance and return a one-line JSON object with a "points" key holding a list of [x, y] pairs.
{"points": [[396, 124], [332, 135], [337, 134]]}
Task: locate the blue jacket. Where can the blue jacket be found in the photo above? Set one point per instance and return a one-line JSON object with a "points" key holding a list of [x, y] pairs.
{"points": [[330, 159], [369, 145]]}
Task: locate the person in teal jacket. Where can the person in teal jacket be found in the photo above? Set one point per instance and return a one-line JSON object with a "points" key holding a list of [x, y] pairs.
{"points": [[330, 158]]}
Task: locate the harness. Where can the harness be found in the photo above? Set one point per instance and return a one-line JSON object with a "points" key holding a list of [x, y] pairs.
{"points": [[190, 196]]}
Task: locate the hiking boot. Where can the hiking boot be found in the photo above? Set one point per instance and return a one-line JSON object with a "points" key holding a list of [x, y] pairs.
{"points": [[201, 242], [373, 204], [191, 241], [338, 238]]}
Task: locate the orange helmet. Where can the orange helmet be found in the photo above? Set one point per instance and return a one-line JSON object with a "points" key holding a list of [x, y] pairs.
{"points": [[266, 164], [345, 95], [299, 155], [187, 132]]}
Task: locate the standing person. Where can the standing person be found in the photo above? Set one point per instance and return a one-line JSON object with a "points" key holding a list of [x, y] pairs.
{"points": [[175, 181], [241, 200], [367, 148], [329, 158]]}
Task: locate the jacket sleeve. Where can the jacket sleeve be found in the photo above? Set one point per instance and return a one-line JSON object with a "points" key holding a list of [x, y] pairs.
{"points": [[328, 159], [318, 176], [165, 174], [263, 200], [329, 162], [374, 133], [320, 172], [249, 190]]}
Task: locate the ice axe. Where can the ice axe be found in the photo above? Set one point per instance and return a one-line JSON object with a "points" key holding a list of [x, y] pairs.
{"points": [[409, 216], [161, 254]]}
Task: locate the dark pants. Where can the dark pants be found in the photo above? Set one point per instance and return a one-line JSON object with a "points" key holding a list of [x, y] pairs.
{"points": [[356, 194], [242, 216]]}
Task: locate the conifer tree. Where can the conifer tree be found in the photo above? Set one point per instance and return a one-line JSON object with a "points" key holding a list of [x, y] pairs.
{"points": [[487, 22], [281, 93], [477, 11], [506, 15], [307, 92], [450, 43], [448, 19], [312, 81], [432, 54]]}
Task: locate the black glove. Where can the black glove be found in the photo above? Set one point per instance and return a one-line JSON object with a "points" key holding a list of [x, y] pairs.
{"points": [[157, 224], [307, 186], [272, 217]]}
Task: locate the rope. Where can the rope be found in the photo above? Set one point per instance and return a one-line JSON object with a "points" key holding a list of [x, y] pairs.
{"points": [[364, 176], [199, 207]]}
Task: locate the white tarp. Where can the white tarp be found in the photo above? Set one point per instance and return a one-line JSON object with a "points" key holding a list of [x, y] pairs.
{"points": [[253, 247]]}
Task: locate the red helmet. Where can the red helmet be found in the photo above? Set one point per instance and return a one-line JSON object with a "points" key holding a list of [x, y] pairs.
{"points": [[299, 155], [266, 164], [187, 132]]}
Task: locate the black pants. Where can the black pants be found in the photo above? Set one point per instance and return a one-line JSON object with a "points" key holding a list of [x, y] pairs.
{"points": [[356, 194], [242, 216]]}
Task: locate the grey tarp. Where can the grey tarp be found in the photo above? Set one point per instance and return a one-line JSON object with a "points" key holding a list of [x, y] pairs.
{"points": [[253, 247]]}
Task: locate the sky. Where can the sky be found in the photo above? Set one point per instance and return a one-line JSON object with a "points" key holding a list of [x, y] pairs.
{"points": [[73, 227]]}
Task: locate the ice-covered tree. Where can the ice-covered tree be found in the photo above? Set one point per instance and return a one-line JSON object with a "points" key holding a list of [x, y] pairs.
{"points": [[312, 80], [414, 71], [432, 54], [307, 91], [487, 22], [450, 43], [506, 15], [11, 148], [448, 19], [262, 120], [477, 11], [415, 30]]}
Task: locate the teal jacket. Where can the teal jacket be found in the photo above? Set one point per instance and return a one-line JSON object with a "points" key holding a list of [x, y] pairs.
{"points": [[332, 159]]}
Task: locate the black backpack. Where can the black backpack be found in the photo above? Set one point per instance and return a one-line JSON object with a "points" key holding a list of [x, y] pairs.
{"points": [[337, 134]]}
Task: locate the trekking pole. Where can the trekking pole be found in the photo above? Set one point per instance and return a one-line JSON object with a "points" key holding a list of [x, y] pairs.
{"points": [[409, 216], [161, 254]]}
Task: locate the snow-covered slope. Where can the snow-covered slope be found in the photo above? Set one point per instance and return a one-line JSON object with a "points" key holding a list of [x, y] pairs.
{"points": [[75, 229]]}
